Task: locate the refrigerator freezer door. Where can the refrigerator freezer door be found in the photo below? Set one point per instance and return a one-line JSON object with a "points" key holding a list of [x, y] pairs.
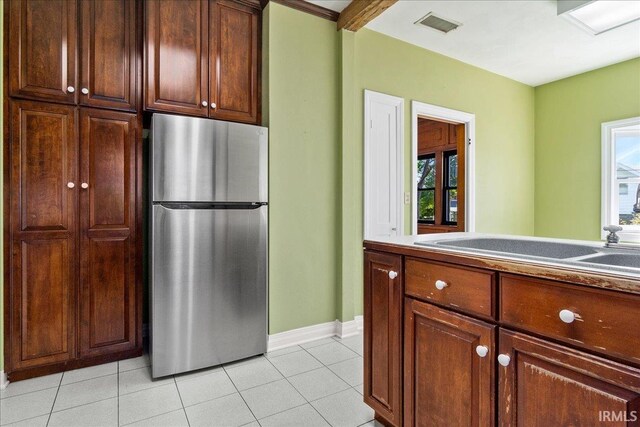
{"points": [[209, 287], [202, 160]]}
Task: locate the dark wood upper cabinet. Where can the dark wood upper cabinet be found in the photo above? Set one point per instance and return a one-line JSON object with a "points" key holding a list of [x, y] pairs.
{"points": [[42, 49], [43, 221], [234, 34], [546, 384], [446, 380], [108, 54], [383, 293], [177, 56], [107, 227], [203, 59]]}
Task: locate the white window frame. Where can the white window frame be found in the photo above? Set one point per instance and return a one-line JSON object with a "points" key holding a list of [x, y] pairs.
{"points": [[609, 198], [436, 112]]}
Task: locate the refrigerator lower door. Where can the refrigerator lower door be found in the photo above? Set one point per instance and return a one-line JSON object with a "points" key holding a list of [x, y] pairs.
{"points": [[208, 287]]}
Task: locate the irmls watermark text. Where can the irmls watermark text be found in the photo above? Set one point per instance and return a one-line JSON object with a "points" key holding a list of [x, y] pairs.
{"points": [[618, 416]]}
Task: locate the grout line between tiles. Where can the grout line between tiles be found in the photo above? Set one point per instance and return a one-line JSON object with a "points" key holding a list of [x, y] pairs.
{"points": [[240, 394], [153, 416], [181, 402], [294, 387], [54, 399], [29, 392], [118, 392]]}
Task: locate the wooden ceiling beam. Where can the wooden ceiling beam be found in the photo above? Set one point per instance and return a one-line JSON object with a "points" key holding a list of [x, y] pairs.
{"points": [[360, 12]]}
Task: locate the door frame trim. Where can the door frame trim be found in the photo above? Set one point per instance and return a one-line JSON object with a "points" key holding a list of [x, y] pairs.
{"points": [[398, 104], [430, 111]]}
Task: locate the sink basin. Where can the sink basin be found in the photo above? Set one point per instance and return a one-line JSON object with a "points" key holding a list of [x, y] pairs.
{"points": [[617, 260], [520, 247]]}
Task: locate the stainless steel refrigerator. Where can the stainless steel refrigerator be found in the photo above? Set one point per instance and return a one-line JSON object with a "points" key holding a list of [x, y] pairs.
{"points": [[208, 260]]}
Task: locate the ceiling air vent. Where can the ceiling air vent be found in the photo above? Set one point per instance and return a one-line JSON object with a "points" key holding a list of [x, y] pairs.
{"points": [[435, 22]]}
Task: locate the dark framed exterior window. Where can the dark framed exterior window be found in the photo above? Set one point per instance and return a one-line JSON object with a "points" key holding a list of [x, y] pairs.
{"points": [[450, 188], [427, 189]]}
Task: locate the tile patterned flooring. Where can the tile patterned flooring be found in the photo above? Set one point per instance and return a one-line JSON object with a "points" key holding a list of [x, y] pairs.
{"points": [[315, 384]]}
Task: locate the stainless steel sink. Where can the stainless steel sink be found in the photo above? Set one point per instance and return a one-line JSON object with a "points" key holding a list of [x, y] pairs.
{"points": [[618, 260], [534, 248]]}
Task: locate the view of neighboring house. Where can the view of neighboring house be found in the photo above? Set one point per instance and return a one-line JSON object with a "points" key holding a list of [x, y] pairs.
{"points": [[628, 184]]}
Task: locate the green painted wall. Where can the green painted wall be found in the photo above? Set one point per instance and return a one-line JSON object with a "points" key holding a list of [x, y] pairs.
{"points": [[504, 112], [304, 124], [569, 113]]}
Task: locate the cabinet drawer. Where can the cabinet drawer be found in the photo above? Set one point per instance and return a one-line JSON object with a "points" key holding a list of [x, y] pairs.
{"points": [[465, 289], [604, 321]]}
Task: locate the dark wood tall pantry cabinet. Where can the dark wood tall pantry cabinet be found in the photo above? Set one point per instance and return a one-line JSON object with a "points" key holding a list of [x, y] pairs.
{"points": [[72, 179]]}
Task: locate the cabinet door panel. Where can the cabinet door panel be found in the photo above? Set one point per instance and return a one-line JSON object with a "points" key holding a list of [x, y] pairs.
{"points": [[383, 335], [43, 233], [446, 382], [234, 37], [177, 56], [107, 215], [108, 54], [547, 384], [42, 49]]}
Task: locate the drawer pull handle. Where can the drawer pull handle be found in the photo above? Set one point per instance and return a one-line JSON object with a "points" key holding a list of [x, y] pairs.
{"points": [[567, 316], [392, 275], [441, 284], [504, 359], [70, 184], [482, 350], [71, 89]]}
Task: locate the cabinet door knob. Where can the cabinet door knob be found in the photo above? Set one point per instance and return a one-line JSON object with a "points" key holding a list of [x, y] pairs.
{"points": [[204, 103], [392, 275], [213, 105], [482, 350], [85, 91], [71, 89], [84, 185], [441, 284], [567, 316], [504, 359], [70, 184]]}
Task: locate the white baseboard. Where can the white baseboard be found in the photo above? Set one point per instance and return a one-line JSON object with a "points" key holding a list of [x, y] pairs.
{"points": [[4, 382], [314, 332]]}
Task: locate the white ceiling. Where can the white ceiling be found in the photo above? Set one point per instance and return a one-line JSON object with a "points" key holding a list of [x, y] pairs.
{"points": [[336, 5], [523, 40]]}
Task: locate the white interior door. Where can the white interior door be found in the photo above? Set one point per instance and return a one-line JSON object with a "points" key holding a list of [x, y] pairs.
{"points": [[383, 146]]}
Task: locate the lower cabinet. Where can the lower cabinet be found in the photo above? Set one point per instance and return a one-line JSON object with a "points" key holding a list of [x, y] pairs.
{"points": [[430, 361], [448, 368], [73, 291], [543, 384], [383, 295]]}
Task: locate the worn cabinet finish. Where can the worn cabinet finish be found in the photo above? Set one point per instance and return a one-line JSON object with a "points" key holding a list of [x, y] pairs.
{"points": [[463, 365], [42, 49], [43, 220], [234, 31], [546, 384], [176, 56], [383, 335], [446, 382], [107, 226], [108, 54]]}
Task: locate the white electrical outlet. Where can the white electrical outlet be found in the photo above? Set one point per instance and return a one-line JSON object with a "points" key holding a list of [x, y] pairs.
{"points": [[407, 198]]}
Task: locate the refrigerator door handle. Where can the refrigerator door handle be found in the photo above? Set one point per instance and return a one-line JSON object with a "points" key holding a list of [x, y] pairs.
{"points": [[212, 205]]}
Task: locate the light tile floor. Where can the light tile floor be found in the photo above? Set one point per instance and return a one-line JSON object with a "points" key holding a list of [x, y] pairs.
{"points": [[315, 384]]}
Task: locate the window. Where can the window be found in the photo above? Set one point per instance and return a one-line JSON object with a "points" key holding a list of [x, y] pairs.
{"points": [[621, 177], [427, 189], [450, 188], [440, 176]]}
